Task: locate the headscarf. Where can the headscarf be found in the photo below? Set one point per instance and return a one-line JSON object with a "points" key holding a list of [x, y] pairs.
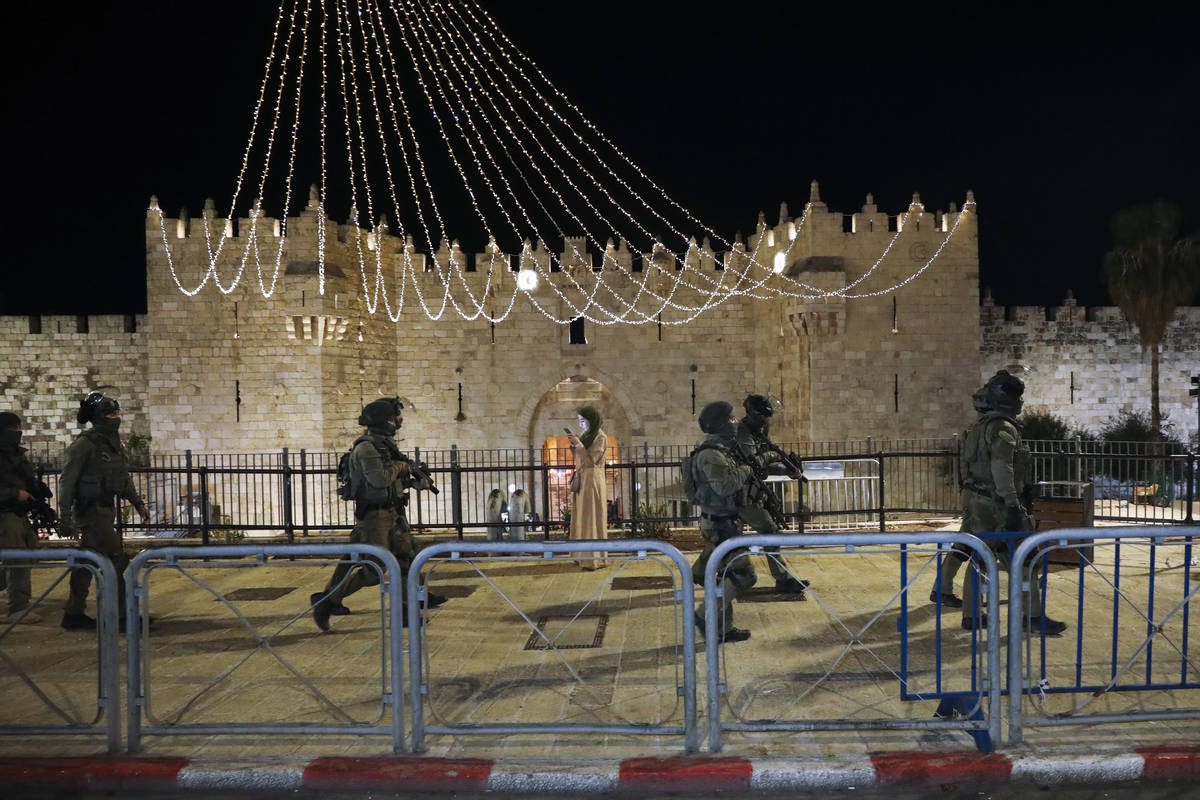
{"points": [[592, 415]]}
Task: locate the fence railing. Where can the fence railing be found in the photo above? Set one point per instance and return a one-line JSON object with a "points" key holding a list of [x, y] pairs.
{"points": [[681, 637], [22, 656], [1160, 659], [222, 497], [853, 622], [144, 718]]}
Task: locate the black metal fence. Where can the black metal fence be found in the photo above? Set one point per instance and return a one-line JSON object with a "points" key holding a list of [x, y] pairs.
{"points": [[222, 497]]}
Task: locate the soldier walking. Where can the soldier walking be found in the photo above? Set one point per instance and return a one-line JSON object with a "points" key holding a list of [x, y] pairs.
{"points": [[96, 473], [17, 479]]}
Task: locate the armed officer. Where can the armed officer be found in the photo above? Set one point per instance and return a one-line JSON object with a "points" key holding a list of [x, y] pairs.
{"points": [[996, 475], [753, 437], [720, 480], [96, 473], [17, 479], [380, 477]]}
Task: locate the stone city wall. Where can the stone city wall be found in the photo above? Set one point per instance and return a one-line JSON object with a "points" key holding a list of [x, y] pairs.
{"points": [[1086, 364]]}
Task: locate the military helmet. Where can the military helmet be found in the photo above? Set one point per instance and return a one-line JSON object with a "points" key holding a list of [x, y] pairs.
{"points": [[1002, 392], [759, 405], [95, 406], [9, 420], [714, 416], [381, 413]]}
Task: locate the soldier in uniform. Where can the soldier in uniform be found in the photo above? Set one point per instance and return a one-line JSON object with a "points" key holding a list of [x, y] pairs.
{"points": [[720, 491], [996, 473], [16, 479], [380, 477], [96, 473], [753, 434]]}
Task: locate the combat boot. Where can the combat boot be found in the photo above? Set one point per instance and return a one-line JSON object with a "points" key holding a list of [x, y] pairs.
{"points": [[78, 622]]}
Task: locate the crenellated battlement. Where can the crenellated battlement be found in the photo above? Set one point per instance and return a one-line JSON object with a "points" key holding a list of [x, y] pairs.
{"points": [[91, 325], [1069, 315]]}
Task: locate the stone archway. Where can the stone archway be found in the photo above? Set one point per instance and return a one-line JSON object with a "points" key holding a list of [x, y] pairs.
{"points": [[547, 414]]}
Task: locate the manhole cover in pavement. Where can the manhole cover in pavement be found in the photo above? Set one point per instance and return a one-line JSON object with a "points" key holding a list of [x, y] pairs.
{"points": [[567, 632], [259, 593], [644, 582], [769, 595]]}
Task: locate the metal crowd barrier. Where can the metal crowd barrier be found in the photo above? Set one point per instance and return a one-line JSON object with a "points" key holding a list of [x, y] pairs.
{"points": [[638, 549], [107, 718], [743, 546], [139, 669], [1178, 608]]}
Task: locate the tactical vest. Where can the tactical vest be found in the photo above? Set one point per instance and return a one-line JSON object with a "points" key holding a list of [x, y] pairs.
{"points": [[975, 461], [361, 491], [104, 477], [697, 488]]}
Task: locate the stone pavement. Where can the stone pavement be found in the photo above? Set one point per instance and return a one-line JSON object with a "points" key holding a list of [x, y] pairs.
{"points": [[833, 655]]}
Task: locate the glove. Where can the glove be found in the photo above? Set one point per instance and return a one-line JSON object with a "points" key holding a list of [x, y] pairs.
{"points": [[67, 528], [1014, 518]]}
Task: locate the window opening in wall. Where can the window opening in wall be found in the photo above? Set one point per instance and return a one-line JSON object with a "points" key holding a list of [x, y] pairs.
{"points": [[895, 316], [896, 391], [847, 223], [130, 323], [302, 299], [1072, 388], [693, 396], [236, 333], [81, 323], [237, 400], [35, 323], [578, 335], [493, 331], [660, 327]]}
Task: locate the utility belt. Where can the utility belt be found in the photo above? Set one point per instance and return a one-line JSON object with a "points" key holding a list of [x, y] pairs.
{"points": [[362, 509], [718, 517], [982, 492]]}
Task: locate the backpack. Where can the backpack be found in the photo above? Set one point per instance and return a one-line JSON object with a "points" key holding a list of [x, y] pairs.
{"points": [[344, 490], [695, 492]]}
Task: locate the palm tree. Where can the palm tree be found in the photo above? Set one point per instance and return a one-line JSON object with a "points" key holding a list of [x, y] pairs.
{"points": [[1149, 272]]}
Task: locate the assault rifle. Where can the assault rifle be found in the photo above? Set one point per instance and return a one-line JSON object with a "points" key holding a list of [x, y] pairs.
{"points": [[420, 471], [789, 460], [41, 514], [760, 492]]}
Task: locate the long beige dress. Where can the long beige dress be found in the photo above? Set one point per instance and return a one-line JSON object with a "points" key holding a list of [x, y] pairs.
{"points": [[589, 517]]}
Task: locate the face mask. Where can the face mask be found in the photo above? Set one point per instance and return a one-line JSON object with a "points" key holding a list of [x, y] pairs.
{"points": [[10, 439], [107, 424]]}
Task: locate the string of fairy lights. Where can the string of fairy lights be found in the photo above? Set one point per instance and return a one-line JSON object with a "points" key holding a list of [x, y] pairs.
{"points": [[528, 163]]}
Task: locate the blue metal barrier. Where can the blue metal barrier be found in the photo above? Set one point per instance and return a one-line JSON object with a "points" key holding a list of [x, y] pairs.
{"points": [[108, 678], [1039, 547], [987, 727], [638, 549], [138, 677]]}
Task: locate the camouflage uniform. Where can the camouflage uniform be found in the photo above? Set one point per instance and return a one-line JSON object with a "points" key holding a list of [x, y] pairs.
{"points": [[379, 481], [722, 480], [756, 516], [96, 473], [16, 474]]}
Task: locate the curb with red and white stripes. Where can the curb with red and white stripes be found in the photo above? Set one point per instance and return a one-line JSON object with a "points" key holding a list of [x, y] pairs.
{"points": [[675, 773]]}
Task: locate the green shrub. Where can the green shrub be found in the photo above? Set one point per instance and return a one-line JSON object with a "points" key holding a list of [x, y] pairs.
{"points": [[651, 520], [1044, 425]]}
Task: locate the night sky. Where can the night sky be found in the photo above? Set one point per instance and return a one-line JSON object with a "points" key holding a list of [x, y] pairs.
{"points": [[1054, 122]]}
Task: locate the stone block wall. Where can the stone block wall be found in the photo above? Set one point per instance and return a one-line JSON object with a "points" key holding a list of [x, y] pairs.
{"points": [[46, 374], [1086, 364]]}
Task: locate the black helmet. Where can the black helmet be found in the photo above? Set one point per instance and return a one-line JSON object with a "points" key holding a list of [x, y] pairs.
{"points": [[1001, 393], [9, 420], [96, 406], [381, 413], [714, 416], [759, 405]]}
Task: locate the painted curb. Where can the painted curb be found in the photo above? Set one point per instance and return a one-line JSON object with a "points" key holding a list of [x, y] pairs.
{"points": [[678, 773]]}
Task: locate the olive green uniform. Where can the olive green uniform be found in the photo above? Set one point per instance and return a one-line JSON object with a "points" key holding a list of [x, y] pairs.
{"points": [[16, 474], [96, 473], [997, 470], [753, 514], [722, 480], [379, 483]]}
